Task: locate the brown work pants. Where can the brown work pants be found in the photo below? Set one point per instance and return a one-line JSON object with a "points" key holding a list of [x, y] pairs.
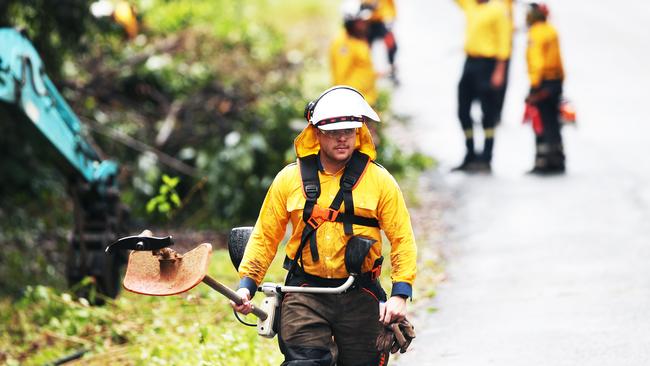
{"points": [[328, 329]]}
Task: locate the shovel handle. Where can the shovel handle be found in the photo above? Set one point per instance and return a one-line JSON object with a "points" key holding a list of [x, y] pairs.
{"points": [[232, 295]]}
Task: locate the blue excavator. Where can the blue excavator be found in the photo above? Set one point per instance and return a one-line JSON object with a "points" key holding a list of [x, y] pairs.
{"points": [[29, 98]]}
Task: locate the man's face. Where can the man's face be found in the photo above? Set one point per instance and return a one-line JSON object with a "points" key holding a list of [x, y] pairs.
{"points": [[337, 145]]}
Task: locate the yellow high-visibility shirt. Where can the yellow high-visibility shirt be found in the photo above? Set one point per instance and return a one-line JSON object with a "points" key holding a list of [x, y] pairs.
{"points": [[351, 64], [377, 195], [488, 30], [543, 54]]}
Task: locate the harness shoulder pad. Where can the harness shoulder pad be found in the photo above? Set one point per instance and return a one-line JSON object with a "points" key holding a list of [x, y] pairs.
{"points": [[354, 171], [309, 176]]}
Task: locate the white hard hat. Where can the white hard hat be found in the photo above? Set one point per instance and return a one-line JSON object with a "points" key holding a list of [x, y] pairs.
{"points": [[338, 108]]}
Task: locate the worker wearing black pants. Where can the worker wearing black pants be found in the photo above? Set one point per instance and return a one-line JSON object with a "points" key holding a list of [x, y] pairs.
{"points": [[549, 152], [476, 84], [546, 75], [487, 46]]}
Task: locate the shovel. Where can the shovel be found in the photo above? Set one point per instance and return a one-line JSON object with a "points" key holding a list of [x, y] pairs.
{"points": [[155, 269]]}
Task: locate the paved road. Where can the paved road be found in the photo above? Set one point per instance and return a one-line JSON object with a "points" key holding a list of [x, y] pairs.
{"points": [[542, 271]]}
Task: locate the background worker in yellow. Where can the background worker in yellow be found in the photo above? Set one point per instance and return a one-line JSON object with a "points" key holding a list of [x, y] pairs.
{"points": [[349, 53], [546, 76], [312, 325], [380, 27], [487, 46]]}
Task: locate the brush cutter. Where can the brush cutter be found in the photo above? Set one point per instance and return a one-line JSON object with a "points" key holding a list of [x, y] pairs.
{"points": [[155, 269]]}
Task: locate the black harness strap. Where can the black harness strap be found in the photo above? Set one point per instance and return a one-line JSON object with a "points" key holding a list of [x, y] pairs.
{"points": [[357, 220], [351, 175], [311, 187]]}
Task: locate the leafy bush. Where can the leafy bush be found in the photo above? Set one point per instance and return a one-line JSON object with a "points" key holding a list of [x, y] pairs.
{"points": [[219, 83]]}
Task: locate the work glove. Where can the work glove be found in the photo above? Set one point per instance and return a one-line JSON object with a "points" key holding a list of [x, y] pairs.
{"points": [[396, 336]]}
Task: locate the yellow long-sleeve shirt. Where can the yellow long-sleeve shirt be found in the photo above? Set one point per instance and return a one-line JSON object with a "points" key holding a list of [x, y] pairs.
{"points": [[351, 64], [488, 30], [543, 54], [377, 195]]}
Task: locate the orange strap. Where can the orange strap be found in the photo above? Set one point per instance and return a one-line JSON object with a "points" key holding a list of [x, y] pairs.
{"points": [[319, 215]]}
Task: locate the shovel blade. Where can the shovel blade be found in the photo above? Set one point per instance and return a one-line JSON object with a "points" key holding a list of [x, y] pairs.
{"points": [[146, 275]]}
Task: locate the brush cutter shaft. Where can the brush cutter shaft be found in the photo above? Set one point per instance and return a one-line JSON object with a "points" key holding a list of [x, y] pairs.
{"points": [[273, 288], [232, 295]]}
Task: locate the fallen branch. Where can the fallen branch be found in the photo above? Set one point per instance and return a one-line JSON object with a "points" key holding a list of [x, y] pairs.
{"points": [[142, 147]]}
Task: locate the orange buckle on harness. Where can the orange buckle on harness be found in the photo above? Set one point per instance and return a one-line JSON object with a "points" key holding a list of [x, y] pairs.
{"points": [[320, 215], [375, 272]]}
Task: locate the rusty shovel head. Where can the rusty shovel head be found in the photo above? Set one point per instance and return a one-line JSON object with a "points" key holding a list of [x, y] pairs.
{"points": [[150, 273]]}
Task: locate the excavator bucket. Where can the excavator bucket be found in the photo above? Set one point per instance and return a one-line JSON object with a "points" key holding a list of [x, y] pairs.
{"points": [[166, 273]]}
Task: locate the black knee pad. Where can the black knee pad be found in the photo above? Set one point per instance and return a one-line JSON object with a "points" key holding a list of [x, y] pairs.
{"points": [[306, 356]]}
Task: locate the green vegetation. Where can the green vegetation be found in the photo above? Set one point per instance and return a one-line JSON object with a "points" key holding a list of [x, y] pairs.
{"points": [[167, 198], [196, 328]]}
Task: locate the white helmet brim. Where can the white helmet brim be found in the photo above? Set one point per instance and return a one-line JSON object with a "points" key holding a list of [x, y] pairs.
{"points": [[340, 125], [341, 102]]}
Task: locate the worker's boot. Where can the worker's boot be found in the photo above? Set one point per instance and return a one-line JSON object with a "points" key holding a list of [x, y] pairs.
{"points": [[549, 159], [468, 164], [556, 160], [541, 159], [470, 155], [484, 162]]}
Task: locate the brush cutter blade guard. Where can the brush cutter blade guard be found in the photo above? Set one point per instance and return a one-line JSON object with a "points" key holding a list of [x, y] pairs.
{"points": [[148, 273], [140, 242], [237, 241]]}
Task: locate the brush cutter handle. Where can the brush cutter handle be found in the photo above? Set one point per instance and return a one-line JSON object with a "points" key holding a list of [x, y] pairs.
{"points": [[274, 288], [232, 295]]}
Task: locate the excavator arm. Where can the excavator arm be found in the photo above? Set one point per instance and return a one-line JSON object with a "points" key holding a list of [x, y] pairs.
{"points": [[29, 97]]}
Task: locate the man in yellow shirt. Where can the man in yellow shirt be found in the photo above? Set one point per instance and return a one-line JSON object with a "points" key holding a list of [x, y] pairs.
{"points": [[349, 54], [487, 46], [322, 329], [546, 75]]}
